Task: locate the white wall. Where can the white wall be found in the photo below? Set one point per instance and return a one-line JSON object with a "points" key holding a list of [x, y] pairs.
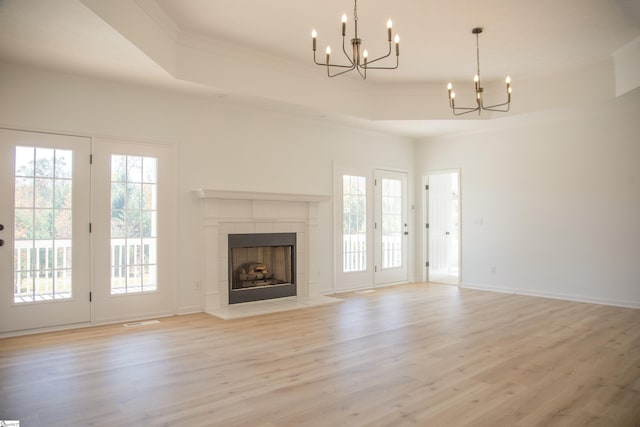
{"points": [[221, 145], [552, 202]]}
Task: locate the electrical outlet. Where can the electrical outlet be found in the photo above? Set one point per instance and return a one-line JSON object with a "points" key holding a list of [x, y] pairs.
{"points": [[493, 269], [197, 284]]}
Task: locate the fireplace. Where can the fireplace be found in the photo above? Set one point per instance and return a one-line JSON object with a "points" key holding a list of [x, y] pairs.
{"points": [[261, 266]]}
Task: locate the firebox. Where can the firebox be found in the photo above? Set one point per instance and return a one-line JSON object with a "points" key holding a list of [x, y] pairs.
{"points": [[261, 266]]}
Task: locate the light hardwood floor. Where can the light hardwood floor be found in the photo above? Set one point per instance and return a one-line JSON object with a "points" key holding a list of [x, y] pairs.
{"points": [[425, 355]]}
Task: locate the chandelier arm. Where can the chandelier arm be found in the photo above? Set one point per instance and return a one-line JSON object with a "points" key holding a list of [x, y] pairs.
{"points": [[324, 64], [466, 110], [316, 61], [341, 72], [344, 50], [382, 57], [384, 68], [494, 107]]}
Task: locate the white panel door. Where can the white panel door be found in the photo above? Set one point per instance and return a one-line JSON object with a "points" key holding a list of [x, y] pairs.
{"points": [[44, 212], [390, 227], [134, 231], [444, 228]]}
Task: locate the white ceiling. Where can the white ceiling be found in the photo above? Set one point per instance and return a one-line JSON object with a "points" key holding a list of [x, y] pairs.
{"points": [[523, 38]]}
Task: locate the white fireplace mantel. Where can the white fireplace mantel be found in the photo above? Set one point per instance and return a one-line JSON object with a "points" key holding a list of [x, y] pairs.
{"points": [[230, 212], [254, 195]]}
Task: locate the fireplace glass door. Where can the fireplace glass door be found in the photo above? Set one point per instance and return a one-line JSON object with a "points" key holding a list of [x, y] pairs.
{"points": [[261, 266]]}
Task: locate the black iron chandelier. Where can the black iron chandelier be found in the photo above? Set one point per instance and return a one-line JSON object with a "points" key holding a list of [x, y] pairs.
{"points": [[359, 59], [458, 111]]}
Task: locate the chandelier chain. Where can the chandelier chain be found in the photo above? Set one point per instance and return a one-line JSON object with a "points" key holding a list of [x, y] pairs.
{"points": [[478, 54]]}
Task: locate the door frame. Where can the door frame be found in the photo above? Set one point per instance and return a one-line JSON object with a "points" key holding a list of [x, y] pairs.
{"points": [[368, 171], [425, 220]]}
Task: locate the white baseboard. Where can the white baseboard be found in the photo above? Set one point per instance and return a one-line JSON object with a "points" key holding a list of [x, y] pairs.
{"points": [[553, 295], [190, 310]]}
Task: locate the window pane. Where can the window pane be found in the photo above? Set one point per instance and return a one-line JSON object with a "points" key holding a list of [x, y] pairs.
{"points": [[150, 256], [44, 285], [62, 193], [23, 290], [149, 196], [118, 168], [133, 224], [354, 225], [25, 160], [62, 223], [134, 169], [63, 284], [118, 225], [44, 162], [134, 279], [43, 230], [149, 166], [118, 195], [44, 193], [23, 224], [43, 223], [24, 192], [148, 224], [134, 196], [391, 223], [64, 162]]}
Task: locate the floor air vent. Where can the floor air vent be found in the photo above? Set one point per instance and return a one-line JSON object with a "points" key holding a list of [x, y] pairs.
{"points": [[144, 323]]}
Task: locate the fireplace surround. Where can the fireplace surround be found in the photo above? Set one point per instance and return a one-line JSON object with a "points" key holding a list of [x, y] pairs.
{"points": [[227, 213]]}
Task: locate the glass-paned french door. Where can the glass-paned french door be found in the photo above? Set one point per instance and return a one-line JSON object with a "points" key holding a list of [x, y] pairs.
{"points": [[45, 251], [134, 230], [391, 227], [373, 227]]}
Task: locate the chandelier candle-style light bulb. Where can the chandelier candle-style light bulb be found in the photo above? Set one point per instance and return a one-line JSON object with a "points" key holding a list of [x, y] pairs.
{"points": [[479, 90], [359, 58]]}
